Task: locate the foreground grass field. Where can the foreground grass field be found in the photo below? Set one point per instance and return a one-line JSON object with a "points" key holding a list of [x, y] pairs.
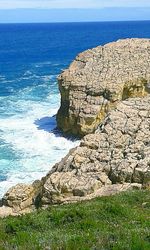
{"points": [[121, 222]]}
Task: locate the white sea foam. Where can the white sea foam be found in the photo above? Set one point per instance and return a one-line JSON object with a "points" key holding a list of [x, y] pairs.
{"points": [[42, 64], [6, 81], [29, 75], [48, 77], [29, 133], [2, 77]]}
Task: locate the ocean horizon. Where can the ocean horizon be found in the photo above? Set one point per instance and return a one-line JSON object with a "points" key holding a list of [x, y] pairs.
{"points": [[31, 58], [72, 22]]}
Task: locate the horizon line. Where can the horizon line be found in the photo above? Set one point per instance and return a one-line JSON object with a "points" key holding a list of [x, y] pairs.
{"points": [[57, 22]]}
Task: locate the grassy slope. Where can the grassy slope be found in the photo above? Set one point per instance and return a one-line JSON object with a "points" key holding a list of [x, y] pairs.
{"points": [[118, 222]]}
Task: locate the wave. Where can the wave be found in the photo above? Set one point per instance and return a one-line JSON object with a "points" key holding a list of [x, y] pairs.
{"points": [[2, 77], [42, 64], [29, 147], [37, 148], [34, 76]]}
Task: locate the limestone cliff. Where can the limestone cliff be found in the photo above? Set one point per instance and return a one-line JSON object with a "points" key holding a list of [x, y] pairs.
{"points": [[98, 79], [118, 152], [111, 97]]}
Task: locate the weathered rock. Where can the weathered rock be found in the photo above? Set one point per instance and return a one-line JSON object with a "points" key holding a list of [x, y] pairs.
{"points": [[21, 199], [116, 157], [10, 211], [118, 152], [98, 79], [103, 191]]}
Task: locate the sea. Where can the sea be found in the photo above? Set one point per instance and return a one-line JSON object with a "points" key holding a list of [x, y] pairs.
{"points": [[31, 58]]}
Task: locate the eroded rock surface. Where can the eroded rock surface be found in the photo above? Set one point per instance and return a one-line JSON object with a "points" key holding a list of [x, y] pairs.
{"points": [[98, 79], [118, 152], [21, 199]]}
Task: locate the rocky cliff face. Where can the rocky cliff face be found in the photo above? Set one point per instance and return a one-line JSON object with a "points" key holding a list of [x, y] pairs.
{"points": [[117, 153], [98, 79], [116, 156]]}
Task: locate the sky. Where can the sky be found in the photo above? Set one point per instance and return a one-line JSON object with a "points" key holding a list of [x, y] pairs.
{"points": [[12, 11], [12, 4]]}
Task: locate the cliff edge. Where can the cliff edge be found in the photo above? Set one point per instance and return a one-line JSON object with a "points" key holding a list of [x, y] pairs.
{"points": [[98, 79]]}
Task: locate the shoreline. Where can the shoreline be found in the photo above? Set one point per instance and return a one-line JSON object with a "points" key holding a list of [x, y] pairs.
{"points": [[113, 155]]}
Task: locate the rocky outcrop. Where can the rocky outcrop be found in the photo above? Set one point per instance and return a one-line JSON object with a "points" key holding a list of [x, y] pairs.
{"points": [[21, 199], [116, 156], [98, 79], [118, 152]]}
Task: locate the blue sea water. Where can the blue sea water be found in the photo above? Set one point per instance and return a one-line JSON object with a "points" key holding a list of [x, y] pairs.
{"points": [[31, 57]]}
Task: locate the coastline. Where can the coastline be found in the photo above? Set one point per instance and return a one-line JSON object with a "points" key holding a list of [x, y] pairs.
{"points": [[113, 154], [28, 88]]}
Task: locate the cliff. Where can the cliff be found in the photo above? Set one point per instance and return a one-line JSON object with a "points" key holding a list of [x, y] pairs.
{"points": [[115, 106], [117, 153], [98, 79]]}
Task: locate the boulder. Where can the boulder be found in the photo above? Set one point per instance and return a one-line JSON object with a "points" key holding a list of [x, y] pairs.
{"points": [[22, 198]]}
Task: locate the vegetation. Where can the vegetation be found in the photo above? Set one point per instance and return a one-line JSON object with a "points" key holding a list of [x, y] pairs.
{"points": [[120, 222]]}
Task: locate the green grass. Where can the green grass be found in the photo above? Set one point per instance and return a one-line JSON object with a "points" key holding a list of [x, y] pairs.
{"points": [[120, 222]]}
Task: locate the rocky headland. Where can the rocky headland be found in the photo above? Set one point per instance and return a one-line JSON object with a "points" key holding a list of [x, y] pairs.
{"points": [[98, 79], [105, 99]]}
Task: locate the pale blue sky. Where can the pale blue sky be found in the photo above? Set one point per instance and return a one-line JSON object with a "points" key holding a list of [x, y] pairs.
{"points": [[14, 11], [9, 4]]}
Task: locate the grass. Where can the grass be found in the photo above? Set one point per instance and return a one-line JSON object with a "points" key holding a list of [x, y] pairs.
{"points": [[120, 222]]}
